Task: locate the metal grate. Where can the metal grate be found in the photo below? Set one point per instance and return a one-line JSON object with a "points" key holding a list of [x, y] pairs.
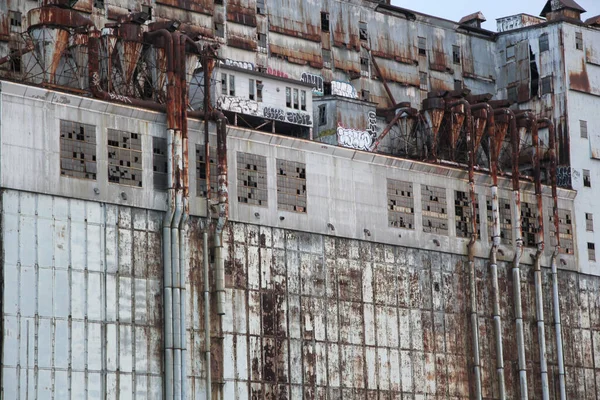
{"points": [[291, 186], [583, 129], [201, 171], [529, 223], [78, 150], [159, 163], [565, 226], [401, 204], [505, 220], [463, 214], [435, 212], [124, 158], [252, 179]]}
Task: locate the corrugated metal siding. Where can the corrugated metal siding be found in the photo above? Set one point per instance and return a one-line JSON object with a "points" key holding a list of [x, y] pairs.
{"points": [[82, 300]]}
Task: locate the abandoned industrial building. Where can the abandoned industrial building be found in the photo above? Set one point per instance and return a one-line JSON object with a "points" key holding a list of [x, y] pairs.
{"points": [[297, 199]]}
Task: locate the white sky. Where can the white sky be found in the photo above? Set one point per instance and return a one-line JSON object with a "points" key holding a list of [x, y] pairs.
{"points": [[454, 10]]}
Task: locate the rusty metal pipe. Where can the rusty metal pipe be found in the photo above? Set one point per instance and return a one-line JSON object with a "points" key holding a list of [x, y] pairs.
{"points": [[16, 53], [378, 70], [518, 235], [555, 294], [539, 297], [207, 354], [389, 126], [223, 207]]}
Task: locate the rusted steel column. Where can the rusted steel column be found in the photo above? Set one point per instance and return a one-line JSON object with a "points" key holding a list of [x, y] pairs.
{"points": [[17, 53], [223, 214], [555, 295], [518, 239]]}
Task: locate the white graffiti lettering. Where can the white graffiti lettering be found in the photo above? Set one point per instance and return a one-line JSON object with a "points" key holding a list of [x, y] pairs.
{"points": [[240, 64], [372, 124], [298, 118], [360, 140], [276, 114], [237, 105], [119, 97], [96, 79], [315, 80], [343, 89]]}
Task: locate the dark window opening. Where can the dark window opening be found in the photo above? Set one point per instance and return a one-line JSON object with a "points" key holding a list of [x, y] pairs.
{"points": [[456, 54], [99, 4], [260, 6], [262, 40], [148, 10], [364, 64], [512, 94], [15, 64], [579, 41], [535, 75], [232, 85], [219, 2], [458, 84], [15, 19], [322, 115], [324, 21], [544, 44], [591, 251], [422, 46], [296, 103], [251, 94], [259, 91], [219, 30], [303, 100], [327, 88], [365, 95], [362, 31], [587, 180], [288, 97], [224, 84]]}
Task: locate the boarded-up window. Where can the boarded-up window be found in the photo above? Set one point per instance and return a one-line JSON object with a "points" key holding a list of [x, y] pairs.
{"points": [[529, 223], [547, 84], [583, 129], [201, 171], [262, 40], [565, 226], [78, 150], [456, 54], [578, 40], [422, 46], [435, 211], [463, 214], [589, 222], [544, 45], [504, 211], [252, 179], [401, 204], [159, 163], [124, 158], [591, 251], [587, 180], [291, 186]]}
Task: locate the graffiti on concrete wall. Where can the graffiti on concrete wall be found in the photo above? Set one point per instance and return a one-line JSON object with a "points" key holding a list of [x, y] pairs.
{"points": [[315, 80], [276, 72], [361, 140], [343, 89], [238, 105], [240, 64], [292, 117]]}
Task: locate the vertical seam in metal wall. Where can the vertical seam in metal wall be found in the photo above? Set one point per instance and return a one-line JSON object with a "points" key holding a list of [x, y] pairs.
{"points": [[2, 260], [103, 325], [325, 298], [287, 316], [117, 306], [70, 317], [37, 313], [133, 291]]}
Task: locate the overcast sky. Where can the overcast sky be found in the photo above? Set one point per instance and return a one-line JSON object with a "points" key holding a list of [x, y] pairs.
{"points": [[454, 10]]}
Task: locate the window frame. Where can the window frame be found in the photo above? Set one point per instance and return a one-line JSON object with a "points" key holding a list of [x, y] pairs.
{"points": [[544, 42]]}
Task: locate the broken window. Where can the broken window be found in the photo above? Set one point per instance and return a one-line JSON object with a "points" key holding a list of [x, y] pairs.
{"points": [[535, 75], [124, 158], [544, 45], [504, 211], [456, 54], [288, 97], [219, 30], [546, 85], [327, 88], [232, 85], [260, 6], [201, 171], [296, 99], [322, 115], [364, 64], [326, 58], [148, 10], [324, 21], [463, 214], [583, 129], [434, 209], [565, 228], [259, 91], [423, 81], [401, 204], [529, 223], [303, 100], [512, 94], [15, 20], [510, 52], [291, 186], [77, 150], [224, 84], [159, 163], [589, 222], [458, 84], [591, 251], [365, 95], [579, 40], [422, 46], [99, 4], [251, 94], [262, 40], [362, 31], [252, 179], [587, 180]]}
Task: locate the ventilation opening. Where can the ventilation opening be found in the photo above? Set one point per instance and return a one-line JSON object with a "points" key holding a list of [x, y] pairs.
{"points": [[535, 75]]}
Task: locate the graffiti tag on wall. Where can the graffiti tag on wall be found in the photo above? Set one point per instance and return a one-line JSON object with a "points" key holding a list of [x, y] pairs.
{"points": [[315, 80], [238, 105], [276, 72], [298, 118], [360, 140], [273, 113], [240, 64], [343, 89]]}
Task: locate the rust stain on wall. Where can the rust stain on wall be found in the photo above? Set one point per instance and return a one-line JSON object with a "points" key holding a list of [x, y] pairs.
{"points": [[242, 12], [580, 80], [201, 6]]}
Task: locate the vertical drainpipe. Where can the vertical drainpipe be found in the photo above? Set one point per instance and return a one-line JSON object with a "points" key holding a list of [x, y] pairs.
{"points": [[471, 258], [555, 301], [168, 271], [518, 239], [539, 297], [494, 151], [223, 213]]}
